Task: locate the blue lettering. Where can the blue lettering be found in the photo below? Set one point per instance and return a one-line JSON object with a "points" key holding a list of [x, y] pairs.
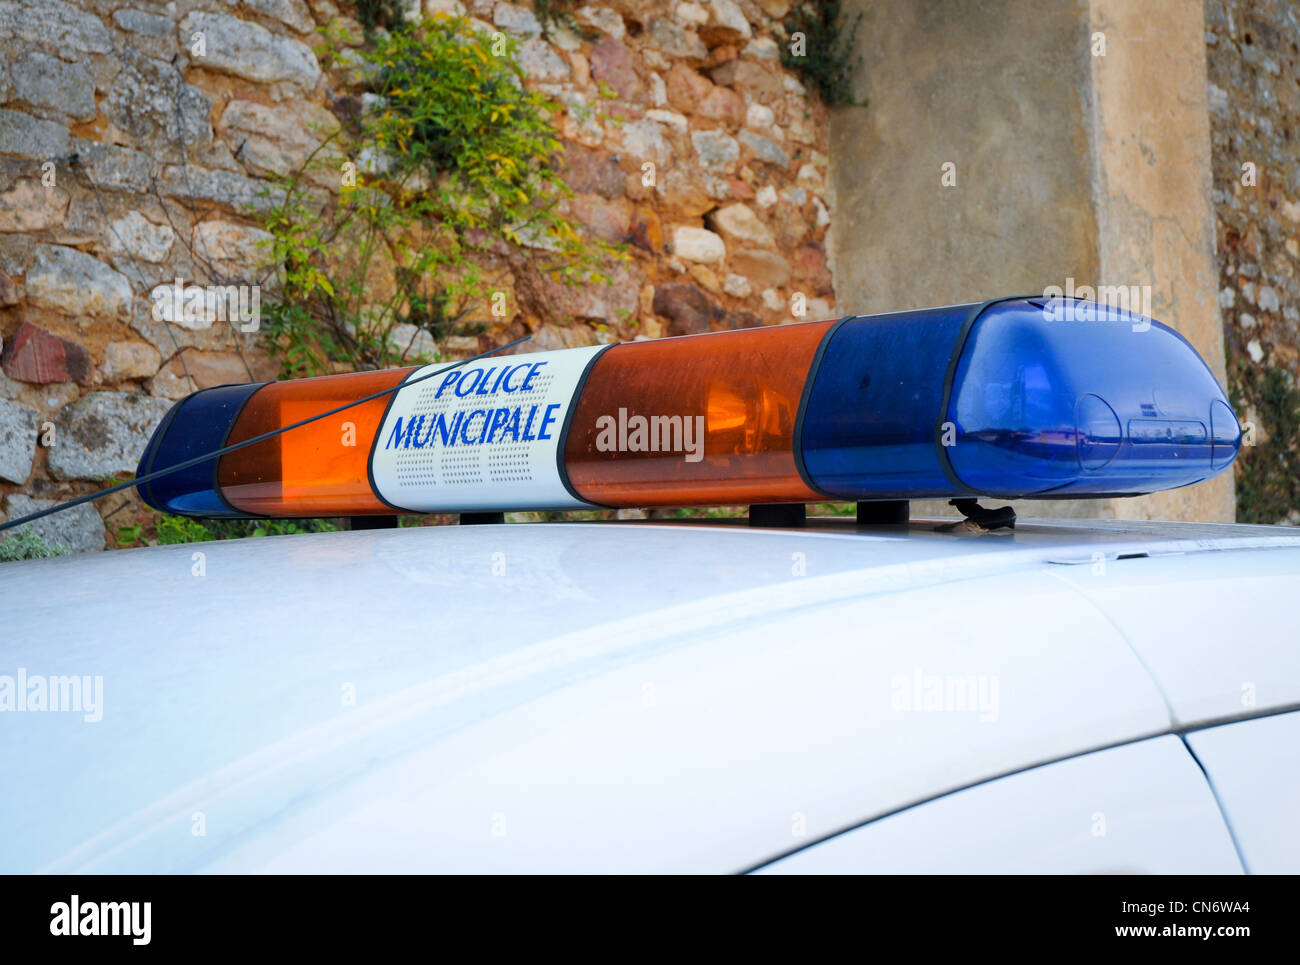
{"points": [[446, 433], [499, 418], [412, 434], [505, 382], [478, 377], [428, 436], [464, 427], [512, 429], [532, 372], [395, 435], [527, 437], [451, 379], [547, 420]]}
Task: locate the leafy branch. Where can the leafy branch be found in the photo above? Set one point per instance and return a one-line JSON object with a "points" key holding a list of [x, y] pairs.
{"points": [[447, 173]]}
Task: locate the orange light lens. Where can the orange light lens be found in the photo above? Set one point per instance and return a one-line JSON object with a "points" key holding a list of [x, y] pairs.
{"points": [[319, 469], [743, 386]]}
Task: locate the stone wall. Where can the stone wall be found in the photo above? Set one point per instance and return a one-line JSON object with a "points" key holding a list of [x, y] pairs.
{"points": [[129, 158], [1254, 72], [1072, 162]]}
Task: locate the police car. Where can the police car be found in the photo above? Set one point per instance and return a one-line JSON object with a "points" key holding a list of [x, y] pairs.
{"points": [[779, 695]]}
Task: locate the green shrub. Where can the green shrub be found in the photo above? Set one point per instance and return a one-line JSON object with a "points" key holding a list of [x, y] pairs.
{"points": [[827, 62], [1267, 474], [454, 169], [559, 13], [128, 536], [381, 14], [183, 529], [27, 544]]}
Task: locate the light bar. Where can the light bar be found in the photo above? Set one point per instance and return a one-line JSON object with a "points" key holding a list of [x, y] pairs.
{"points": [[1003, 399]]}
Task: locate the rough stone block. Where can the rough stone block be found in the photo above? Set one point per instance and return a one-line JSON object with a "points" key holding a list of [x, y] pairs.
{"points": [[79, 529], [104, 433], [17, 441], [74, 283]]}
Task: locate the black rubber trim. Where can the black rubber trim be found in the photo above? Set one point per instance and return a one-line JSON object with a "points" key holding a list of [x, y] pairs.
{"points": [[781, 515], [568, 421], [361, 524], [796, 438], [374, 443], [225, 440], [152, 450], [958, 348], [147, 493], [884, 512], [1004, 517], [482, 519]]}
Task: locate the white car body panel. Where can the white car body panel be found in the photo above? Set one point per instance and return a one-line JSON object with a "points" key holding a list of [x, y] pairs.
{"points": [[1252, 604], [1254, 767], [752, 738], [1142, 808], [569, 697]]}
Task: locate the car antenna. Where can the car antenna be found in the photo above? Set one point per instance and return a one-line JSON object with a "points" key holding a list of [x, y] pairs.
{"points": [[150, 477]]}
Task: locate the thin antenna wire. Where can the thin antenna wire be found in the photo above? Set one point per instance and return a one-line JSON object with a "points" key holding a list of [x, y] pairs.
{"points": [[150, 477]]}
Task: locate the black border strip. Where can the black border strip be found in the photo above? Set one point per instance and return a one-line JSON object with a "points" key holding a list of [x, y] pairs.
{"points": [[374, 443], [958, 348], [150, 497], [796, 438], [568, 421], [152, 450]]}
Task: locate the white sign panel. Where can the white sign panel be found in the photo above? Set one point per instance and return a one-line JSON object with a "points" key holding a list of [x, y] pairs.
{"points": [[481, 437]]}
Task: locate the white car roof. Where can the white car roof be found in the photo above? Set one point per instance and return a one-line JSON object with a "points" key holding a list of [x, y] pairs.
{"points": [[606, 696]]}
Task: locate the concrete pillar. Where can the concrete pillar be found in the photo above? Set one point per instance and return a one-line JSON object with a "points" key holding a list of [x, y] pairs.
{"points": [[1068, 163]]}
